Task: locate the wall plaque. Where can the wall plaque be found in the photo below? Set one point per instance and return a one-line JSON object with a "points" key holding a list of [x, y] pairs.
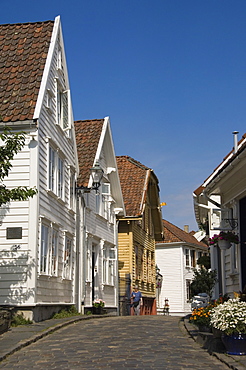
{"points": [[14, 233]]}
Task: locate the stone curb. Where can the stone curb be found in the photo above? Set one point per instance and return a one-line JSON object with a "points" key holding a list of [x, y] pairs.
{"points": [[230, 361], [44, 332]]}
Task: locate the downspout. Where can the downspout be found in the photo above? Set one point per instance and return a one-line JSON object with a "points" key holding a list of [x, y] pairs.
{"points": [[80, 250], [117, 271]]}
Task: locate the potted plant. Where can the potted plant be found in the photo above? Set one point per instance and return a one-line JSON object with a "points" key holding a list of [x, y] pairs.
{"points": [[98, 306], [201, 318], [224, 239], [230, 318]]}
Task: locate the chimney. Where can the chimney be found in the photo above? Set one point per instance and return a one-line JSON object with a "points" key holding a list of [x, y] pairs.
{"points": [[235, 141], [186, 228]]}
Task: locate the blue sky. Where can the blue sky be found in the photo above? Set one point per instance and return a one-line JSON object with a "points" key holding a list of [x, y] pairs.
{"points": [[171, 74]]}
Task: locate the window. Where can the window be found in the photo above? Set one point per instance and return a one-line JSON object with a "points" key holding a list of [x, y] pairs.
{"points": [[60, 177], [59, 58], [72, 189], [109, 258], [48, 99], [188, 290], [187, 258], [44, 249], [56, 173], [67, 258], [51, 169], [104, 202], [54, 252], [192, 258], [62, 107], [48, 249]]}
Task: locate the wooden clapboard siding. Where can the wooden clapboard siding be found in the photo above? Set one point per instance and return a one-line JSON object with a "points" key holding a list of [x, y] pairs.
{"points": [[30, 168], [169, 262]]}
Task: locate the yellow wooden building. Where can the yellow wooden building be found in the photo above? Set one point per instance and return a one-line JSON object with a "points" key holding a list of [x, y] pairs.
{"points": [[138, 232]]}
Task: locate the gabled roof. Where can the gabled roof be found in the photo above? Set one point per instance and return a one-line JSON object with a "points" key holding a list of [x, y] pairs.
{"points": [[133, 177], [24, 48], [88, 134], [229, 158], [174, 234]]}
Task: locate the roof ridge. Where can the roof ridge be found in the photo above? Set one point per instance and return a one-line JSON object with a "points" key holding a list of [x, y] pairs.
{"points": [[168, 225], [135, 162], [23, 23], [89, 120]]}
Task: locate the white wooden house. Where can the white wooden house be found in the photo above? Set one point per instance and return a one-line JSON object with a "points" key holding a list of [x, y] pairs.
{"points": [[220, 205], [176, 258], [37, 236], [98, 210]]}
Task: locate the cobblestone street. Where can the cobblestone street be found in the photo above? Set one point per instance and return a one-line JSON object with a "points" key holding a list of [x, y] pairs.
{"points": [[143, 342]]}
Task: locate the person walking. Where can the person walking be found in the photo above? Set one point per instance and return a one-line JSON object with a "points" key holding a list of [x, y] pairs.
{"points": [[137, 300]]}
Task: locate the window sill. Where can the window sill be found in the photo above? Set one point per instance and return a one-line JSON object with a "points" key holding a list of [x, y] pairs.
{"points": [[72, 211], [52, 194], [49, 109], [234, 274], [60, 200], [106, 284]]}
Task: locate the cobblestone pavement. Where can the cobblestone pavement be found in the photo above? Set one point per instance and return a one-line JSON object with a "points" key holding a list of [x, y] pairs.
{"points": [[143, 342]]}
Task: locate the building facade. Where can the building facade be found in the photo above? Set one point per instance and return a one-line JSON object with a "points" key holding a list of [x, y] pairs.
{"points": [[97, 216], [176, 257], [37, 236], [220, 205], [138, 231]]}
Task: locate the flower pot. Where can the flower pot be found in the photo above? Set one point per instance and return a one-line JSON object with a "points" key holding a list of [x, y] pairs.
{"points": [[204, 329], [235, 344], [217, 333], [224, 244], [98, 310]]}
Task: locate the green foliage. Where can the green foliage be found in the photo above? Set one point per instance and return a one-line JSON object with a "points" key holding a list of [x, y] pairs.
{"points": [[72, 311], [88, 313], [204, 281], [204, 261], [20, 320], [12, 144]]}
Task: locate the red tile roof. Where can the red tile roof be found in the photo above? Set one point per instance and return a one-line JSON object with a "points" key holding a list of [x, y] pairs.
{"points": [[88, 133], [132, 179], [24, 48], [174, 234]]}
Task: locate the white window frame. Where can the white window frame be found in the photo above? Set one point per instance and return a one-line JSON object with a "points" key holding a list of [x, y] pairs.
{"points": [[59, 58], [104, 202], [54, 251], [72, 184], [63, 107], [48, 261], [56, 171], [109, 265], [52, 169], [44, 248], [188, 290], [67, 256], [60, 177], [187, 257]]}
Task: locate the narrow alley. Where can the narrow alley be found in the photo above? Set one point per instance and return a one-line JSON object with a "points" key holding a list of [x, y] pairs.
{"points": [[143, 342]]}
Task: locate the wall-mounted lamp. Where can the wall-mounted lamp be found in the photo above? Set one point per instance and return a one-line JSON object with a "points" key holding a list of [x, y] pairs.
{"points": [[96, 173]]}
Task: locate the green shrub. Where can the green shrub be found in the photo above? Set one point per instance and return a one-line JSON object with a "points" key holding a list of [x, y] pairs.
{"points": [[19, 319], [72, 311]]}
